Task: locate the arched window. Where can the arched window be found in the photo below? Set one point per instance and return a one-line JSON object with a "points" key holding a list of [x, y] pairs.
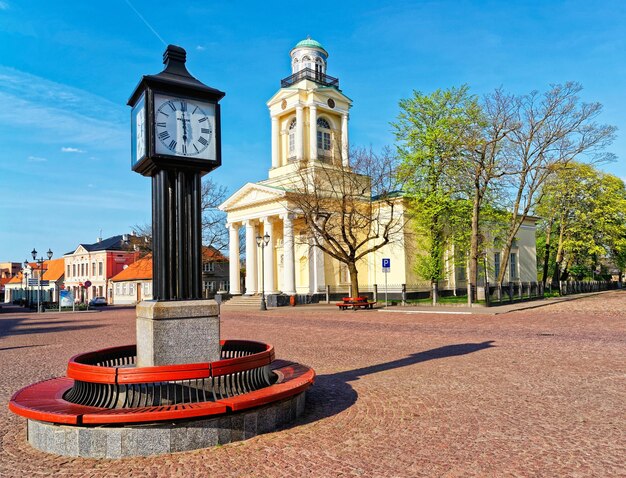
{"points": [[294, 65], [292, 137], [306, 62], [323, 135], [319, 68]]}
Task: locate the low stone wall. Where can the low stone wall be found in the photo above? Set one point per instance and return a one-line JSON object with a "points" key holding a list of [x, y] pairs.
{"points": [[159, 438]]}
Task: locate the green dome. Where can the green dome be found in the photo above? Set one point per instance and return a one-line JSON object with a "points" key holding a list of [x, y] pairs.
{"points": [[309, 43]]}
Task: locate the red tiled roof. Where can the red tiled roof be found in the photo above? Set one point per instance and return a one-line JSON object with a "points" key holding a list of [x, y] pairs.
{"points": [[4, 280], [17, 279], [211, 254], [54, 269], [141, 269]]}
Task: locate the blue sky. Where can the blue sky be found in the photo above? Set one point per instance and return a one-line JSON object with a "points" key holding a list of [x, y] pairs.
{"points": [[67, 69]]}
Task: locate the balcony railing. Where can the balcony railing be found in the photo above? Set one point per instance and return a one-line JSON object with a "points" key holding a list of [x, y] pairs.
{"points": [[309, 74]]}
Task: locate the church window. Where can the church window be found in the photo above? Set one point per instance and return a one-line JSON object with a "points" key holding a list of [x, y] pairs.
{"points": [[319, 68], [323, 134], [292, 137], [306, 61]]}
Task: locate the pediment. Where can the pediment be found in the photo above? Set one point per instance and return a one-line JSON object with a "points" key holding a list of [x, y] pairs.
{"points": [[252, 194], [81, 250]]}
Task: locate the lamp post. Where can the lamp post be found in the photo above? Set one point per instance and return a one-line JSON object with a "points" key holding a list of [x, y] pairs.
{"points": [[262, 242], [26, 297], [40, 263]]}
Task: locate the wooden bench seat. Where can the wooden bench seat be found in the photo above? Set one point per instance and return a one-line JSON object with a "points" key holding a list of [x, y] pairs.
{"points": [[44, 401], [355, 303]]}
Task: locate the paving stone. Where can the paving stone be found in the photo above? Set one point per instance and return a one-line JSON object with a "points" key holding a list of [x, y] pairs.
{"points": [[532, 393]]}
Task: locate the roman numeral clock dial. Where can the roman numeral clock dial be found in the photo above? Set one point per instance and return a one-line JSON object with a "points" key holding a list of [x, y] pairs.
{"points": [[184, 127]]}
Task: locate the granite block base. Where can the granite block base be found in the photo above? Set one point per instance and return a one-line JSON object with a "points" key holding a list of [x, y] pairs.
{"points": [[177, 332], [163, 437]]}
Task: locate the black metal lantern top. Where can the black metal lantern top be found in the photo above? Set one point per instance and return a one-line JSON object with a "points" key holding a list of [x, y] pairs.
{"points": [[175, 121]]}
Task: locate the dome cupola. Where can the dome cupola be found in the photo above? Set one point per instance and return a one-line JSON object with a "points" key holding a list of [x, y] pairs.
{"points": [[308, 54]]}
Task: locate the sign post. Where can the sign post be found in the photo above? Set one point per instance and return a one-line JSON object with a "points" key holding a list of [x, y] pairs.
{"points": [[386, 269]]}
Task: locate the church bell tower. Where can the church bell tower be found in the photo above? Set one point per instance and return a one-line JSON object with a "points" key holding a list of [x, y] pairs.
{"points": [[309, 113]]}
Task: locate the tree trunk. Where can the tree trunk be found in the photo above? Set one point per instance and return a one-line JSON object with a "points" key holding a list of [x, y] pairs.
{"points": [[354, 279], [434, 291], [473, 259], [556, 276], [546, 256]]}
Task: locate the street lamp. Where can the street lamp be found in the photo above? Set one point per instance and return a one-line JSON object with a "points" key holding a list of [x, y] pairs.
{"points": [[40, 263], [262, 242], [26, 295]]}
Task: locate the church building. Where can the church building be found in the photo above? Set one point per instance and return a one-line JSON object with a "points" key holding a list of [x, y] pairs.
{"points": [[309, 123]]}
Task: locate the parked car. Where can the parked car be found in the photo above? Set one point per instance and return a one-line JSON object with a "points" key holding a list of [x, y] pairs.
{"points": [[98, 301]]}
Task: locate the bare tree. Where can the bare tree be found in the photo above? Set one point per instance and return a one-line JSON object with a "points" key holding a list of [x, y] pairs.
{"points": [[352, 210], [486, 166], [554, 129], [214, 233]]}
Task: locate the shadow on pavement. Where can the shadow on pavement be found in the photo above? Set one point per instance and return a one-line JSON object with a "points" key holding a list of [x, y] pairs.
{"points": [[20, 347], [332, 393], [25, 326]]}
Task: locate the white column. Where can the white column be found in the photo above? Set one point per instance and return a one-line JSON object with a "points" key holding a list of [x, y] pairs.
{"points": [[275, 142], [233, 259], [313, 132], [344, 139], [299, 131], [269, 257], [289, 266], [251, 287], [316, 264]]}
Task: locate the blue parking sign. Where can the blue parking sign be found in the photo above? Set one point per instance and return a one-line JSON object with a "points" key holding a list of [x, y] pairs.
{"points": [[386, 265]]}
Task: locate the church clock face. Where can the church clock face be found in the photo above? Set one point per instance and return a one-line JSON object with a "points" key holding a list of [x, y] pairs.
{"points": [[184, 127]]}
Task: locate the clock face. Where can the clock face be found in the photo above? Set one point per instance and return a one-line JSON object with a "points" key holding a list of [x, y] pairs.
{"points": [[184, 127], [138, 132], [140, 120]]}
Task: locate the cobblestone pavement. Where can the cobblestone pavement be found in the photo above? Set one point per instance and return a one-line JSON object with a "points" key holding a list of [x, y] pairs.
{"points": [[539, 392]]}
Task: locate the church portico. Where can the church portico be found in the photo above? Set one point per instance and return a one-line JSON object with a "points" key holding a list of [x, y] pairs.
{"points": [[273, 269]]}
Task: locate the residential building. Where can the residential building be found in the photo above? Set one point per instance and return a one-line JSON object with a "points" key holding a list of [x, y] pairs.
{"points": [[25, 285], [134, 283], [89, 267], [215, 273], [9, 269]]}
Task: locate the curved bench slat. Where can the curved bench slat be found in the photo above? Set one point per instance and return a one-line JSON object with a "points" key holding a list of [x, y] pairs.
{"points": [[44, 401]]}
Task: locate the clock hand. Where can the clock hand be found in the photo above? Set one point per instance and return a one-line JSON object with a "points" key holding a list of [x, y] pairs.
{"points": [[184, 128]]}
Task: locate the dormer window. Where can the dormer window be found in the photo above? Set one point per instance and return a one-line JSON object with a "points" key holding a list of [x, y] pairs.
{"points": [[323, 135]]}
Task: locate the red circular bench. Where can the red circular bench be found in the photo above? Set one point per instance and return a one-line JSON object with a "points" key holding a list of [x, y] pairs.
{"points": [[104, 387]]}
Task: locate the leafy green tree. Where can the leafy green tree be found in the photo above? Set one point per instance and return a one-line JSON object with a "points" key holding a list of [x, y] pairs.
{"points": [[433, 132], [586, 210]]}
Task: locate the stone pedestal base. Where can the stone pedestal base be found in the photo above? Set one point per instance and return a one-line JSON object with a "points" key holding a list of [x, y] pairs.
{"points": [[177, 332], [157, 438]]}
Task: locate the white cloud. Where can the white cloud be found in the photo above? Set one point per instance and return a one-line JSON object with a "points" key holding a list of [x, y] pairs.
{"points": [[67, 149], [36, 159], [60, 112], [200, 48], [4, 5]]}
